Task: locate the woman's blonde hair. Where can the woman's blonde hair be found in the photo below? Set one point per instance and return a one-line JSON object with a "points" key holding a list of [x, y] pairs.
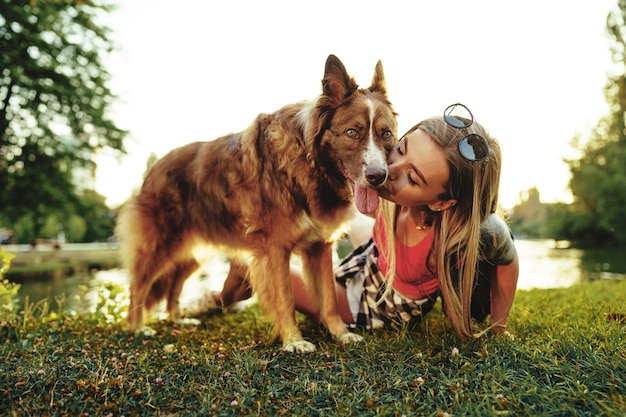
{"points": [[455, 249]]}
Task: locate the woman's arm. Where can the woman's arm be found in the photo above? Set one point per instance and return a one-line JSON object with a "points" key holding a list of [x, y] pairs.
{"points": [[360, 229], [503, 287]]}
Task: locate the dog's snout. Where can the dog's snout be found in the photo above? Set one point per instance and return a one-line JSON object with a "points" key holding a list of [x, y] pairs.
{"points": [[375, 176]]}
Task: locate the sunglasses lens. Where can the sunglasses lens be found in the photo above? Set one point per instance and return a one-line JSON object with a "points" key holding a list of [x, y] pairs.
{"points": [[474, 147], [457, 115]]}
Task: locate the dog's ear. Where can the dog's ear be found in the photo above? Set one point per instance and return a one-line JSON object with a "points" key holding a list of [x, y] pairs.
{"points": [[337, 84], [378, 81]]}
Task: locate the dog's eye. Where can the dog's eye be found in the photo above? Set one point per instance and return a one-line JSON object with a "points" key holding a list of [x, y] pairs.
{"points": [[387, 135], [352, 133]]}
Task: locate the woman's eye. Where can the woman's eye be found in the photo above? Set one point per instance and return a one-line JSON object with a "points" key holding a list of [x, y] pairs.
{"points": [[399, 148], [410, 179]]}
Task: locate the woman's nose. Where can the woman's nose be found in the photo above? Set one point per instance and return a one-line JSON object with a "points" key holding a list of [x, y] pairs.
{"points": [[392, 168]]}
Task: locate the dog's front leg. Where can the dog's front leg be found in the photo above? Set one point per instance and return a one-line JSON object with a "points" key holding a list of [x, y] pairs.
{"points": [[318, 271], [271, 281]]}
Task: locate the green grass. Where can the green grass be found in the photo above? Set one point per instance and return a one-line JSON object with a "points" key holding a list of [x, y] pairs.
{"points": [[567, 358]]}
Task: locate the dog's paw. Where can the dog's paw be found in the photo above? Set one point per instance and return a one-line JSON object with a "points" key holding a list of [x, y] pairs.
{"points": [[188, 321], [350, 338], [299, 346], [147, 331]]}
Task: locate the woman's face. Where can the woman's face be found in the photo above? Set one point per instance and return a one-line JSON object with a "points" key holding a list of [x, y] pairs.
{"points": [[418, 171]]}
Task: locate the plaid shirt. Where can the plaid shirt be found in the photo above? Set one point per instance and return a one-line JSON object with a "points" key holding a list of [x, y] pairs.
{"points": [[360, 268]]}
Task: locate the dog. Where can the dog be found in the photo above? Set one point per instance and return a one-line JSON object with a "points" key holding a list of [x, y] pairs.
{"points": [[286, 184]]}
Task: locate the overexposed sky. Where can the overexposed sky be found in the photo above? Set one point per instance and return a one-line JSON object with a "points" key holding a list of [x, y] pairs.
{"points": [[532, 72]]}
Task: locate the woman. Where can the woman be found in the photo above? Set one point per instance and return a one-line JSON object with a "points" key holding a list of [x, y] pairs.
{"points": [[440, 202]]}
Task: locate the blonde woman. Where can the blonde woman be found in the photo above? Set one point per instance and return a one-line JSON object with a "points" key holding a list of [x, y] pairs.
{"points": [[440, 203]]}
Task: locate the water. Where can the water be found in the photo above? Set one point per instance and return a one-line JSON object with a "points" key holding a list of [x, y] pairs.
{"points": [[81, 292], [545, 263], [542, 265]]}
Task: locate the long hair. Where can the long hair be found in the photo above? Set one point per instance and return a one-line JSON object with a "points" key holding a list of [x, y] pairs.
{"points": [[455, 249]]}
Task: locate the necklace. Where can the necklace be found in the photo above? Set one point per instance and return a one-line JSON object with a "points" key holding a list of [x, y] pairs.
{"points": [[422, 225]]}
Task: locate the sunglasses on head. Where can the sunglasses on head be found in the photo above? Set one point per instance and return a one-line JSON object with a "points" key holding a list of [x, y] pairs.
{"points": [[473, 147]]}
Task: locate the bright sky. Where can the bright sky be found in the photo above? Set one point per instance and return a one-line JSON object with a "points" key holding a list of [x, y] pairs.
{"points": [[532, 72]]}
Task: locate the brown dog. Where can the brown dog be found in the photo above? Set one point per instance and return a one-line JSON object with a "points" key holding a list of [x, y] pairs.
{"points": [[287, 183]]}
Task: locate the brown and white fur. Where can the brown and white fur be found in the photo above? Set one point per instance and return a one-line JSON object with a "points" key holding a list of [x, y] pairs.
{"points": [[284, 185]]}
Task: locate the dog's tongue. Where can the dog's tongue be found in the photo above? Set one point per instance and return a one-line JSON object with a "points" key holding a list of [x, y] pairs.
{"points": [[365, 199]]}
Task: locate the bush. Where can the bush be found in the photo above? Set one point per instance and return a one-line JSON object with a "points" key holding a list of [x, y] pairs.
{"points": [[8, 290]]}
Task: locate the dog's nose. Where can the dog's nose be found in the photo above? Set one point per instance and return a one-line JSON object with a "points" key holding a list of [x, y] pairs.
{"points": [[375, 176]]}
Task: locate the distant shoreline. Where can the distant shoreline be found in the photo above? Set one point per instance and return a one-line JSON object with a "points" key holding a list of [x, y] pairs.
{"points": [[46, 263]]}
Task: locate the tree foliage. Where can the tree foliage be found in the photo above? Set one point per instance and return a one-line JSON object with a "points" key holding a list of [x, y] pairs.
{"points": [[527, 217], [598, 181], [54, 101]]}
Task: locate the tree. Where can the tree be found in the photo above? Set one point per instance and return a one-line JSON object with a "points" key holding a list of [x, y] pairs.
{"points": [[527, 217], [598, 181], [99, 219], [54, 101], [76, 228]]}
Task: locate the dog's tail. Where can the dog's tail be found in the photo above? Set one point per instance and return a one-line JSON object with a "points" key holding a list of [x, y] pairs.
{"points": [[129, 231]]}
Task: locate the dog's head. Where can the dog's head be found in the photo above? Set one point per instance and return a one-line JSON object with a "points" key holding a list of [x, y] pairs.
{"points": [[358, 128]]}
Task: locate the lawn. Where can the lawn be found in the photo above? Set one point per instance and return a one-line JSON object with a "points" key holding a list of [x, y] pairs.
{"points": [[566, 357]]}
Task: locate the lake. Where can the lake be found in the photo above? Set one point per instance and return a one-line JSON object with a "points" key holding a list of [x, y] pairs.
{"points": [[543, 264]]}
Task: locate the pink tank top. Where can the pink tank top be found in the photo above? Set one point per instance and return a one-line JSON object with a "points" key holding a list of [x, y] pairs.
{"points": [[413, 278]]}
